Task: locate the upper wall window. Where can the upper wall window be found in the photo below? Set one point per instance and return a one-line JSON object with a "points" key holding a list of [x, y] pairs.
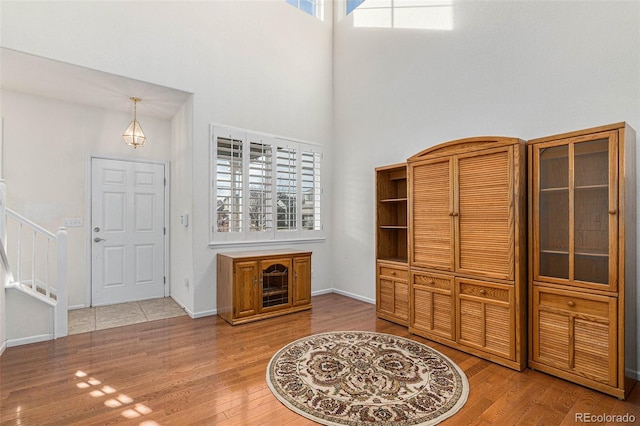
{"points": [[264, 188], [312, 7], [352, 4], [407, 14]]}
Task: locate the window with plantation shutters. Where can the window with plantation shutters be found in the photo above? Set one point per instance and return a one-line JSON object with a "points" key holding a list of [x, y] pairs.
{"points": [[265, 188]]}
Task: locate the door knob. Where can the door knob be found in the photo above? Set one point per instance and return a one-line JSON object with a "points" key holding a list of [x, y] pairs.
{"points": [[97, 239], [96, 229]]}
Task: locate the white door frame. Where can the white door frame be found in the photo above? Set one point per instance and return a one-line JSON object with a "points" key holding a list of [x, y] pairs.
{"points": [[87, 224]]}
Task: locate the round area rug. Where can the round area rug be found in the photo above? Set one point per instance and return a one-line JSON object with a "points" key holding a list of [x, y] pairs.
{"points": [[361, 377]]}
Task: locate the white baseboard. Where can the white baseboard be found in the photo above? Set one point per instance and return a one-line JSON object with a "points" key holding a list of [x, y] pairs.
{"points": [[353, 296], [30, 339], [202, 314], [632, 373], [192, 314], [75, 307]]}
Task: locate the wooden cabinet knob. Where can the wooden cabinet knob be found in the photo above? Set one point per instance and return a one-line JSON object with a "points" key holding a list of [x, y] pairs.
{"points": [[613, 211], [483, 292], [430, 282], [456, 214], [393, 272], [571, 303]]}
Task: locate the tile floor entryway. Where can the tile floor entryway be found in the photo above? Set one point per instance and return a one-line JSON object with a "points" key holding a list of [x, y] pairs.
{"points": [[101, 317]]}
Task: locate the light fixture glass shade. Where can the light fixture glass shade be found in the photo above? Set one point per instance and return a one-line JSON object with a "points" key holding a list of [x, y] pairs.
{"points": [[134, 135]]}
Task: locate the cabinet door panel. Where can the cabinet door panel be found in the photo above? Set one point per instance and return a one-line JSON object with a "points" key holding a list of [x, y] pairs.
{"points": [[575, 211], [301, 281], [246, 288], [432, 305], [576, 332], [401, 299], [553, 341], [431, 213], [592, 349], [276, 279], [485, 317], [392, 298], [485, 214], [498, 335], [595, 216], [385, 297]]}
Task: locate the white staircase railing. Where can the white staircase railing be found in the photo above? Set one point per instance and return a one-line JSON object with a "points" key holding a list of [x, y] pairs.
{"points": [[37, 262]]}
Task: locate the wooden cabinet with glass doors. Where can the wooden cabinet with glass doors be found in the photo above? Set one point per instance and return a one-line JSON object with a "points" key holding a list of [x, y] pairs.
{"points": [[258, 285], [582, 257], [392, 269], [467, 247]]}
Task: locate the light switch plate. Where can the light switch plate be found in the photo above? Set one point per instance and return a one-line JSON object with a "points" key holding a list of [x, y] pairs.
{"points": [[72, 222]]}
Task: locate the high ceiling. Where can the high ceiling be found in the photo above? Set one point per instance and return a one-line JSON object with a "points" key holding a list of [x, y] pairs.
{"points": [[57, 80]]}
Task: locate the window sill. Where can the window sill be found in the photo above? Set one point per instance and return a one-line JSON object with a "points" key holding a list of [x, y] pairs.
{"points": [[264, 243]]}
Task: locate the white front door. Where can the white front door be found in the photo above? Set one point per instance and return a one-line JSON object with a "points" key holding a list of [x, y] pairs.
{"points": [[127, 231]]}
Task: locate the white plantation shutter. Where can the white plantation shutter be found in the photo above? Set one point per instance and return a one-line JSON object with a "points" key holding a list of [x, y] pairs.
{"points": [[260, 192], [263, 188], [311, 191], [286, 189], [229, 184]]}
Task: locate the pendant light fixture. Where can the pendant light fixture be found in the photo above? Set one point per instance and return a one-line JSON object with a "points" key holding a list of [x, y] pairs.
{"points": [[134, 135]]}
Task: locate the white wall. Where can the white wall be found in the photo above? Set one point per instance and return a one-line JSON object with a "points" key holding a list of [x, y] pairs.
{"points": [[181, 237], [47, 144], [28, 320], [523, 69], [261, 65]]}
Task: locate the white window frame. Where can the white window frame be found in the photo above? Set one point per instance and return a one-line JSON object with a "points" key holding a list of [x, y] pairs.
{"points": [[246, 235]]}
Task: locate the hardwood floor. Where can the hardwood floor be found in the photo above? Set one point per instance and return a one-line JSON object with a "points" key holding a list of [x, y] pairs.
{"points": [[205, 371]]}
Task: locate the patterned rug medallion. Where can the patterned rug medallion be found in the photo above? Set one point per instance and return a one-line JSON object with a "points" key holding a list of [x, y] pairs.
{"points": [[359, 377]]}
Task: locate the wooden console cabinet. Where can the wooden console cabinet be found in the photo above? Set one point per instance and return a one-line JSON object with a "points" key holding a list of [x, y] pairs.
{"points": [[258, 285], [467, 247], [582, 261]]}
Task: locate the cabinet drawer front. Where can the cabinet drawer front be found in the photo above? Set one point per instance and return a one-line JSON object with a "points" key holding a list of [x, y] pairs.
{"points": [[432, 281], [396, 273], [598, 306], [486, 292]]}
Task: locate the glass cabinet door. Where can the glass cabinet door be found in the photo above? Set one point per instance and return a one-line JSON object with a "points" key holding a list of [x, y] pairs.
{"points": [[577, 217], [276, 284], [591, 211], [553, 212]]}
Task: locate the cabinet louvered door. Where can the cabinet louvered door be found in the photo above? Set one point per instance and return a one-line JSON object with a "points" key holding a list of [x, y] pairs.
{"points": [[392, 298], [575, 333], [485, 318], [432, 244], [484, 214], [432, 312]]}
